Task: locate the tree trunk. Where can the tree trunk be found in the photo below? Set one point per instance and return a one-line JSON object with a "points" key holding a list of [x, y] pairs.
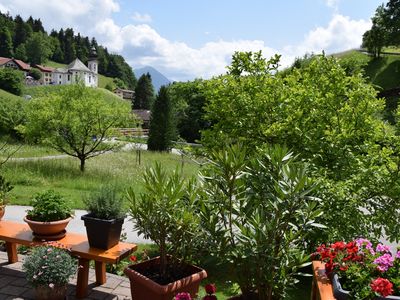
{"points": [[82, 159]]}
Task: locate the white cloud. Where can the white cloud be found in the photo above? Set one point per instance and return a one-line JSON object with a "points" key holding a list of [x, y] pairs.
{"points": [[142, 45], [341, 34], [332, 3], [141, 18]]}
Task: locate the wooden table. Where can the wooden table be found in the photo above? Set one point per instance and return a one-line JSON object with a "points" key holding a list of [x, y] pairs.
{"points": [[321, 284], [16, 233]]}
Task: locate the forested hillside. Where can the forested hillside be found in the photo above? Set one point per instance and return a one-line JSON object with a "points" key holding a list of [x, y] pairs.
{"points": [[28, 41]]}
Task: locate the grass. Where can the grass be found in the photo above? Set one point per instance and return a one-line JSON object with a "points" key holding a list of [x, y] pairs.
{"points": [[43, 90], [6, 95], [62, 175], [19, 150]]}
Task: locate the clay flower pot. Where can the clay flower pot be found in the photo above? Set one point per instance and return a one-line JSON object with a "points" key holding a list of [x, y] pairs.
{"points": [[144, 288], [48, 230], [2, 211]]}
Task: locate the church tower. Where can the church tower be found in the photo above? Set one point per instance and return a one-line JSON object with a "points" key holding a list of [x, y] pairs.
{"points": [[92, 61], [93, 65]]}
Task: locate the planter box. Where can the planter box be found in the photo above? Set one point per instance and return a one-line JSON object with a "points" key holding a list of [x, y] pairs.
{"points": [[341, 294], [102, 234], [145, 288]]}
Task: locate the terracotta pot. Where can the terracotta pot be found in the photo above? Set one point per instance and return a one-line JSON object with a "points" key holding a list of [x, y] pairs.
{"points": [[2, 211], [48, 230], [144, 288], [44, 292]]}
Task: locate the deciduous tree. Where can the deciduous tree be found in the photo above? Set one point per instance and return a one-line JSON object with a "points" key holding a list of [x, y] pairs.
{"points": [[75, 121]]}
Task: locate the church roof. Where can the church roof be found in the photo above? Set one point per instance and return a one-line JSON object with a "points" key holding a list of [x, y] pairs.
{"points": [[77, 65]]}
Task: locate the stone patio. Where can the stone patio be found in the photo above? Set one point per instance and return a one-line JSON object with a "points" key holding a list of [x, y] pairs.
{"points": [[13, 284]]}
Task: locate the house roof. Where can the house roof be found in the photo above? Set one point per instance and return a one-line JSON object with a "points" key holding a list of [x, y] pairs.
{"points": [[22, 65], [44, 68], [4, 60], [123, 90], [143, 114], [77, 65], [60, 70]]}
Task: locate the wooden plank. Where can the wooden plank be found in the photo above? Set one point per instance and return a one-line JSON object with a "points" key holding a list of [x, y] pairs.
{"points": [[322, 283]]}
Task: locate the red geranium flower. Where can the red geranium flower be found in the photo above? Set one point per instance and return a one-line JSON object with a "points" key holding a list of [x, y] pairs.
{"points": [[382, 286], [133, 258], [210, 288]]}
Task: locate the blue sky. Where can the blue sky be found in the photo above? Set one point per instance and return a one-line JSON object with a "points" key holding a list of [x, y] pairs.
{"points": [[189, 39]]}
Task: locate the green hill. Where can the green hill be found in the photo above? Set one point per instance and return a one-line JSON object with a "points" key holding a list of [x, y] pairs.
{"points": [[42, 90], [7, 95], [383, 72]]}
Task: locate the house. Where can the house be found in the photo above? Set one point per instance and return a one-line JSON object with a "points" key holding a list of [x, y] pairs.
{"points": [[144, 115], [124, 94], [46, 74], [17, 64]]}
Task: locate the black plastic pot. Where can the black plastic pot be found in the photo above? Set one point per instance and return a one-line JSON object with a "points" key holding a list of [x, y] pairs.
{"points": [[102, 234]]}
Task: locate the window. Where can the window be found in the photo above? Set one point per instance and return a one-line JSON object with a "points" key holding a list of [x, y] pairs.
{"points": [[90, 79], [59, 76], [69, 77]]}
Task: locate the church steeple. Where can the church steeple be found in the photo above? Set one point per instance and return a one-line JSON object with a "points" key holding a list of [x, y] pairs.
{"points": [[92, 61]]}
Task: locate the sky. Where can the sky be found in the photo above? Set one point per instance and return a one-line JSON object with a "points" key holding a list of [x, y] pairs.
{"points": [[187, 39]]}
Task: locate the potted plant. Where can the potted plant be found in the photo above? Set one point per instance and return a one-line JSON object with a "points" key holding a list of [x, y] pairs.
{"points": [[5, 188], [165, 214], [49, 216], [48, 269], [104, 219], [360, 270]]}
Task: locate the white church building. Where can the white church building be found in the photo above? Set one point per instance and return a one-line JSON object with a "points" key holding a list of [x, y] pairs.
{"points": [[77, 71]]}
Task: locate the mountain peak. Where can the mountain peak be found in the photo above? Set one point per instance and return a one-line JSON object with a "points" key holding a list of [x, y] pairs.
{"points": [[157, 78]]}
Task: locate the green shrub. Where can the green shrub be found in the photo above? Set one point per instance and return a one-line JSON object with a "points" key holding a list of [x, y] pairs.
{"points": [[11, 81], [5, 188], [49, 206], [49, 266], [105, 204]]}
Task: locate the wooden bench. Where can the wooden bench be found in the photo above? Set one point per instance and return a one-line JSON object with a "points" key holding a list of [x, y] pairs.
{"points": [[16, 233], [321, 284]]}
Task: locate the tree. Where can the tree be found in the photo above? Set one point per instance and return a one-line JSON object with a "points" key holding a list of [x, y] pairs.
{"points": [[11, 80], [391, 19], [20, 53], [35, 73], [75, 121], [144, 93], [377, 37], [69, 46], [6, 46], [188, 100], [330, 118], [38, 48], [162, 130], [22, 31]]}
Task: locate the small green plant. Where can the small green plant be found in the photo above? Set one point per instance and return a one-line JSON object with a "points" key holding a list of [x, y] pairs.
{"points": [[5, 188], [105, 204], [50, 266], [49, 206]]}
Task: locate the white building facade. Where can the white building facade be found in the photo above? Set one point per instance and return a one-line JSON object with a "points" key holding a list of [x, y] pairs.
{"points": [[76, 71]]}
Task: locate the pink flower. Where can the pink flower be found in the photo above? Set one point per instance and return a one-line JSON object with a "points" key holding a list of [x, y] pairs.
{"points": [[368, 245], [183, 296], [51, 285], [398, 254], [384, 262], [382, 248]]}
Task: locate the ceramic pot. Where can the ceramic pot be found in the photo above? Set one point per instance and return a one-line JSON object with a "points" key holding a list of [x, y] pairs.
{"points": [[48, 230], [102, 234], [145, 288]]}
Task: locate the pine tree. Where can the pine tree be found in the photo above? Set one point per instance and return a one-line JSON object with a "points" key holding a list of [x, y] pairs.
{"points": [[22, 31], [20, 53], [38, 48], [144, 93], [162, 129], [6, 45]]}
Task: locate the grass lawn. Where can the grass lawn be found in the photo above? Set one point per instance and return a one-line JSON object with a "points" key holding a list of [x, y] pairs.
{"points": [[62, 175]]}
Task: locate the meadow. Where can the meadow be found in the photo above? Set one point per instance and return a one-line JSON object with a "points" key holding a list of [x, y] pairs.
{"points": [[122, 169]]}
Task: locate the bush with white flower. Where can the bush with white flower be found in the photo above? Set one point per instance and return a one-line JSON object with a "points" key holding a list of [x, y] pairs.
{"points": [[49, 265]]}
